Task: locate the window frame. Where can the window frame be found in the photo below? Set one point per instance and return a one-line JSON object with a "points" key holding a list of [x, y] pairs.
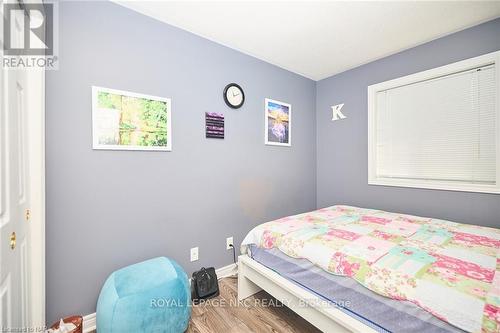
{"points": [[487, 59]]}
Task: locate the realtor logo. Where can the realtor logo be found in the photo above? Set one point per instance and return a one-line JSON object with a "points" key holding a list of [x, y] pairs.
{"points": [[29, 35]]}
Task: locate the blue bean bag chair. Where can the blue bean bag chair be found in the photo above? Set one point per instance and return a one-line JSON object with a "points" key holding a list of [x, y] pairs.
{"points": [[151, 296]]}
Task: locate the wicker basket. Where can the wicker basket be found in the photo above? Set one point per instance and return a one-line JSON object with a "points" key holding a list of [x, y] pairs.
{"points": [[75, 320]]}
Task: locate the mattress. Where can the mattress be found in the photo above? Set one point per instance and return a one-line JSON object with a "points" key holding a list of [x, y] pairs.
{"points": [[448, 269], [381, 313]]}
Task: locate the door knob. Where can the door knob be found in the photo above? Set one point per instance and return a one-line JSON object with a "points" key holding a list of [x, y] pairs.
{"points": [[13, 240]]}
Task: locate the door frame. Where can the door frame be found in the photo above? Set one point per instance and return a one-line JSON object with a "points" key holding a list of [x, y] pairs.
{"points": [[36, 144], [35, 104]]}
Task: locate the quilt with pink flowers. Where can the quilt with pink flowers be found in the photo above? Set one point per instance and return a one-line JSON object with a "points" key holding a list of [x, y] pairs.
{"points": [[450, 269]]}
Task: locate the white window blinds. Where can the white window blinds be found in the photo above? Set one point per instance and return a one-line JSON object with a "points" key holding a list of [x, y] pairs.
{"points": [[441, 129]]}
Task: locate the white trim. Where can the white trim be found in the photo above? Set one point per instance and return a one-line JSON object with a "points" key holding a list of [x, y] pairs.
{"points": [[253, 276], [266, 138], [36, 125], [487, 59], [95, 143], [6, 291], [89, 323], [226, 271]]}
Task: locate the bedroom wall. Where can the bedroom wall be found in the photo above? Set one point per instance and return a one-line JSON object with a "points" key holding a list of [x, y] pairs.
{"points": [[109, 209], [342, 153]]}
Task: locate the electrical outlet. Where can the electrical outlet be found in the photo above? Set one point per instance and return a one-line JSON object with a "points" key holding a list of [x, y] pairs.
{"points": [[194, 253], [229, 241]]}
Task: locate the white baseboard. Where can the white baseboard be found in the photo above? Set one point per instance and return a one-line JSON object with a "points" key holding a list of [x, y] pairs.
{"points": [[89, 321], [226, 271]]}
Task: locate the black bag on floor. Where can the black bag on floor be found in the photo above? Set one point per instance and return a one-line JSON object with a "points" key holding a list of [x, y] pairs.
{"points": [[204, 284]]}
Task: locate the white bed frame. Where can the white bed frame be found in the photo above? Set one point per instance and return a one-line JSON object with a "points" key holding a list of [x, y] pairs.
{"points": [[254, 277]]}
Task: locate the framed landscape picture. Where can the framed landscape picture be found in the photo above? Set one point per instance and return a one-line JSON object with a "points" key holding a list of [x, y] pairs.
{"points": [[278, 129], [123, 120]]}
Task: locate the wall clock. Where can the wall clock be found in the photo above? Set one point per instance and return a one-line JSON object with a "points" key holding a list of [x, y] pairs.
{"points": [[234, 96]]}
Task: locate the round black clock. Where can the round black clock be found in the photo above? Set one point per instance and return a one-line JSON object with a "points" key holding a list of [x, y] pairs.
{"points": [[234, 96]]}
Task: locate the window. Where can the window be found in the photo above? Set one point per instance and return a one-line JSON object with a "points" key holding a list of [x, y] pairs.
{"points": [[438, 129]]}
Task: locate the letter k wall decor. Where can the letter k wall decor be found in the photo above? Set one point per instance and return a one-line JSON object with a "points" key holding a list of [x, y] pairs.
{"points": [[337, 113]]}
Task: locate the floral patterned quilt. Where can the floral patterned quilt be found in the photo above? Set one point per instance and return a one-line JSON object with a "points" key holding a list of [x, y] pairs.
{"points": [[450, 269]]}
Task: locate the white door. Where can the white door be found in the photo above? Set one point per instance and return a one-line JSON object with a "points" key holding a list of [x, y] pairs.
{"points": [[14, 197]]}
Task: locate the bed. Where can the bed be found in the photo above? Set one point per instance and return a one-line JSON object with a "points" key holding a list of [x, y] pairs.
{"points": [[349, 269]]}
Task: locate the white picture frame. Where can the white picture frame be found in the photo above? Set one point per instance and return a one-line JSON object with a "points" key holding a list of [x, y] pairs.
{"points": [[110, 127], [277, 134]]}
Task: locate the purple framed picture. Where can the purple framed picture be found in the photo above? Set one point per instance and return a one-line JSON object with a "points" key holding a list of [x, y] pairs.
{"points": [[214, 125]]}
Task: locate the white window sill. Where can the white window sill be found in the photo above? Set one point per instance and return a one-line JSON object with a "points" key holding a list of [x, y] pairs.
{"points": [[436, 185]]}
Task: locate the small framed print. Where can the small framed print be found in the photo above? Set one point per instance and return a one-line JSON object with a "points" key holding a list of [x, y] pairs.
{"points": [[214, 125], [278, 121]]}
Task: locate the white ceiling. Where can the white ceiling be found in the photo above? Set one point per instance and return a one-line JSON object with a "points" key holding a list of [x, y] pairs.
{"points": [[319, 38]]}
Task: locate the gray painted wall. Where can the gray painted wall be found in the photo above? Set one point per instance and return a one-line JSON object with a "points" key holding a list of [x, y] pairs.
{"points": [[109, 209], [342, 165]]}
